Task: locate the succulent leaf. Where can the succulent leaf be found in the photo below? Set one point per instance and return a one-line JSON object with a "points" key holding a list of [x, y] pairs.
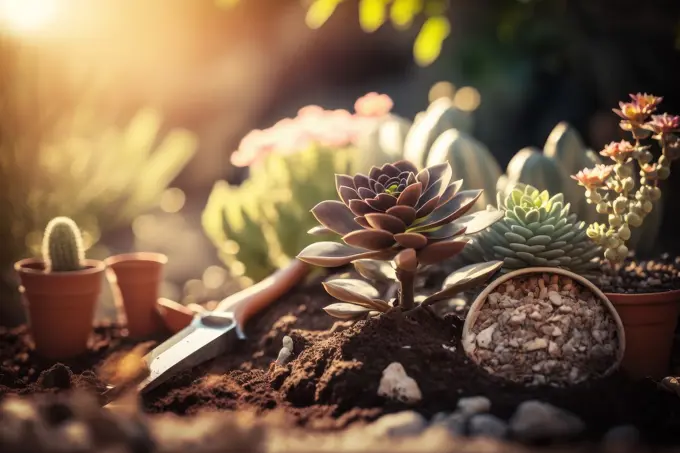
{"points": [[375, 270], [464, 279], [346, 311]]}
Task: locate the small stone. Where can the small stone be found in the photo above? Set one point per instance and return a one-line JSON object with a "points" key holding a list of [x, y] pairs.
{"points": [[536, 344], [536, 316], [573, 374], [474, 405], [536, 420], [485, 337], [555, 298], [397, 385], [518, 319], [454, 423], [554, 350], [621, 439], [565, 309], [487, 425], [401, 424], [557, 332]]}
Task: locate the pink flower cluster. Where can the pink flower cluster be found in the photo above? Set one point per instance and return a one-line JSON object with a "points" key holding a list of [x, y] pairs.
{"points": [[313, 125]]}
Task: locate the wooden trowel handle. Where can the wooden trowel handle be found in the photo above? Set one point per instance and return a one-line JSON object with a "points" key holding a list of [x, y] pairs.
{"points": [[247, 303]]}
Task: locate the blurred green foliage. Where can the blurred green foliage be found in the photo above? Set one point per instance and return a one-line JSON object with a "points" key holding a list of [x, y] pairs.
{"points": [[261, 224]]}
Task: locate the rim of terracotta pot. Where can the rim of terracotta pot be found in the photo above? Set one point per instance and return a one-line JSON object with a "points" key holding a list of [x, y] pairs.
{"points": [[476, 306], [662, 297], [92, 267], [152, 257]]}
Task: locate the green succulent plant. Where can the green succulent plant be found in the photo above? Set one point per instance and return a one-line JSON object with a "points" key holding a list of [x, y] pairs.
{"points": [[62, 246], [537, 230]]}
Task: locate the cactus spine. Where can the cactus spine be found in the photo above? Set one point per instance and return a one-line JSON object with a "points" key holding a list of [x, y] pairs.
{"points": [[62, 246]]}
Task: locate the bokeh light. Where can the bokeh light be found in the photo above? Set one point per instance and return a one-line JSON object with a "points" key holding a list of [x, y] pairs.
{"points": [[214, 277], [467, 99], [440, 90], [27, 16], [172, 200]]}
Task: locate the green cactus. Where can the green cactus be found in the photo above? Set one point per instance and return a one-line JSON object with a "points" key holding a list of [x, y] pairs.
{"points": [[470, 161], [62, 246], [262, 224], [564, 153], [440, 116], [537, 230]]}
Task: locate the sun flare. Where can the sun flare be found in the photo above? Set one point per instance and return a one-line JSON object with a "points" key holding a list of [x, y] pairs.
{"points": [[26, 16]]}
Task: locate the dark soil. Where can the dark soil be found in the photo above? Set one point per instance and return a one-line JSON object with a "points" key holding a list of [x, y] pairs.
{"points": [[639, 276], [334, 374], [23, 372]]}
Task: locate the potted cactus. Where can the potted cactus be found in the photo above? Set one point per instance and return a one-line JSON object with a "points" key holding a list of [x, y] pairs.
{"points": [[646, 297], [61, 291]]}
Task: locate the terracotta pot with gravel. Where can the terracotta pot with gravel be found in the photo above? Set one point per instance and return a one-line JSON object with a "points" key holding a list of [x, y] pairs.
{"points": [[544, 325]]}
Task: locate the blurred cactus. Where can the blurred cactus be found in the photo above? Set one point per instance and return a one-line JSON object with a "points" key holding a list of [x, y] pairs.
{"points": [[439, 117], [470, 160], [564, 153], [62, 246], [537, 230]]}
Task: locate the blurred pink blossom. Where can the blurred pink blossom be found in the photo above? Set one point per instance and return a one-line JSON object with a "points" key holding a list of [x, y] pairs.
{"points": [[312, 125]]}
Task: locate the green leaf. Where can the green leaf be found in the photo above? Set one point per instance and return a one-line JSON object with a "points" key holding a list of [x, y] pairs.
{"points": [[428, 44], [320, 11]]}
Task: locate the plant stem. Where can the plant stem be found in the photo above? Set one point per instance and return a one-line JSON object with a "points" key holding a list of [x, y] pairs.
{"points": [[406, 288]]}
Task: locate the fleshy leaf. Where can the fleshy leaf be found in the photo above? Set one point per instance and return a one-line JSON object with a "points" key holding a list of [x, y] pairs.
{"points": [[360, 207], [440, 172], [375, 270], [428, 207], [450, 211], [347, 312], [360, 180], [411, 240], [410, 195], [445, 232], [319, 231], [450, 191], [335, 216], [405, 165], [406, 213], [353, 291], [406, 260], [333, 254], [347, 194], [386, 222], [440, 251], [474, 223], [370, 239], [464, 279], [382, 202], [343, 180]]}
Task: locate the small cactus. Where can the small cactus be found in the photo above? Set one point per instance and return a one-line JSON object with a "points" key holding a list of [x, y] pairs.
{"points": [[62, 246]]}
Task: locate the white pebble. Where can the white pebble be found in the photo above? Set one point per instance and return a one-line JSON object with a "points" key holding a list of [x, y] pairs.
{"points": [[474, 405], [555, 298], [485, 337], [397, 385], [536, 344]]}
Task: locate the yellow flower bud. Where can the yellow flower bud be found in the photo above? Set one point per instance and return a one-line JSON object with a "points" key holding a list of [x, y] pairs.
{"points": [[615, 220], [633, 219], [655, 194], [602, 207], [593, 196], [620, 205], [663, 172], [622, 251], [611, 255], [623, 171], [628, 184], [647, 206], [624, 232]]}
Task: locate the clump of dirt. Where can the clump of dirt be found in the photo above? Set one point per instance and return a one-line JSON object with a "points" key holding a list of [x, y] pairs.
{"points": [[639, 277]]}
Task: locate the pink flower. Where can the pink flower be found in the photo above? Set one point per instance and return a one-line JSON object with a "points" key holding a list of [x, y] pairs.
{"points": [[636, 112], [373, 105], [593, 177], [619, 151], [663, 124]]}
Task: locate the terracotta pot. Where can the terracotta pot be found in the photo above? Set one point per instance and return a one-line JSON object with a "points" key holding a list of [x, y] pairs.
{"points": [[60, 306], [650, 321], [137, 277], [481, 300], [175, 316]]}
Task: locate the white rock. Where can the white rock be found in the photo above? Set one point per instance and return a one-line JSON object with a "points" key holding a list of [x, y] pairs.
{"points": [[288, 343], [536, 420], [536, 316], [553, 349], [555, 298], [487, 425], [485, 337], [474, 405], [536, 344], [557, 332], [406, 423], [397, 385], [284, 355], [518, 319]]}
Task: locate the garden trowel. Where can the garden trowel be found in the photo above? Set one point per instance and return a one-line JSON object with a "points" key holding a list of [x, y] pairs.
{"points": [[212, 333]]}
